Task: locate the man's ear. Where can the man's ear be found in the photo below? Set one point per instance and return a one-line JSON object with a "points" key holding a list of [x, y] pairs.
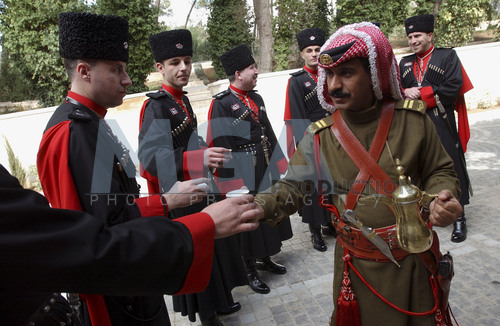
{"points": [[237, 74], [83, 70], [159, 67]]}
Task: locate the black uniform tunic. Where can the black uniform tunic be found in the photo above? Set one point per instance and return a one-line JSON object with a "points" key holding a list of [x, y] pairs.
{"points": [[301, 108], [257, 161], [443, 76], [168, 138]]}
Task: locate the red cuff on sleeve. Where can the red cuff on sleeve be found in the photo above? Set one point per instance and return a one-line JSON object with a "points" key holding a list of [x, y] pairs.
{"points": [[193, 164], [427, 95], [152, 206], [282, 165], [202, 230], [227, 186]]}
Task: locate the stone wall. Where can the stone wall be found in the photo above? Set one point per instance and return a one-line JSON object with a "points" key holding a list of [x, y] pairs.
{"points": [[10, 107]]}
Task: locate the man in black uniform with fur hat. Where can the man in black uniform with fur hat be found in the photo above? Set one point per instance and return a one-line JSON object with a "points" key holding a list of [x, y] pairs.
{"points": [[170, 150], [82, 164], [437, 71], [301, 108], [238, 120]]}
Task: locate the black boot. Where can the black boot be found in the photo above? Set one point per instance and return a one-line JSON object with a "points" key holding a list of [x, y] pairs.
{"points": [[329, 230], [459, 233], [254, 280], [235, 307], [212, 321], [316, 239], [266, 264]]}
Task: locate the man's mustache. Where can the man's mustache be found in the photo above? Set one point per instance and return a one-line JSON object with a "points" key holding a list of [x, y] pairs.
{"points": [[339, 94]]}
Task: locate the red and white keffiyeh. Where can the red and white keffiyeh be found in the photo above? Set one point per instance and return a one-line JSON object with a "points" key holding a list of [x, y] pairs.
{"points": [[368, 41]]}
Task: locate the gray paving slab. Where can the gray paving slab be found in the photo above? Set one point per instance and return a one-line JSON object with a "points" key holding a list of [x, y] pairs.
{"points": [[303, 295]]}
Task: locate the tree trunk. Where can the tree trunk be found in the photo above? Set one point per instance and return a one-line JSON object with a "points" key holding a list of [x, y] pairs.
{"points": [[263, 20], [436, 8], [189, 14], [157, 6]]}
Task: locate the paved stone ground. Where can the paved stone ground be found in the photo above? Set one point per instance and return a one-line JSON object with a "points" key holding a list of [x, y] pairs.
{"points": [[303, 295], [300, 297]]}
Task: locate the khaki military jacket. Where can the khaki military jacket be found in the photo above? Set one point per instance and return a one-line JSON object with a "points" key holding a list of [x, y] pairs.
{"points": [[413, 140]]}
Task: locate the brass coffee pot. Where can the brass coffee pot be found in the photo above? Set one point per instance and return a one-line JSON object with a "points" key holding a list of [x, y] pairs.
{"points": [[408, 203]]}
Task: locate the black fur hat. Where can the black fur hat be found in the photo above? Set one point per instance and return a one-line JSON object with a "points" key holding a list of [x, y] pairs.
{"points": [[236, 59], [170, 44], [420, 23], [88, 36], [310, 36]]}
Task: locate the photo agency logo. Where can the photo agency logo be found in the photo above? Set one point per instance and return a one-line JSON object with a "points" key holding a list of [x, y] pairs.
{"points": [[161, 156]]}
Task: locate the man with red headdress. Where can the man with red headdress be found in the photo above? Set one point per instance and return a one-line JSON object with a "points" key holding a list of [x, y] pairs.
{"points": [[352, 154], [436, 71]]}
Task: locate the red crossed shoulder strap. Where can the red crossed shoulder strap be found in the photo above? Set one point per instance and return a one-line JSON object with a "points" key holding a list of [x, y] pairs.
{"points": [[366, 162], [369, 170]]}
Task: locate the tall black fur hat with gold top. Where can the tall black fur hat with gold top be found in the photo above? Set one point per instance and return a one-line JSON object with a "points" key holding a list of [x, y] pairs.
{"points": [[236, 59], [171, 44], [89, 36], [310, 36], [420, 23]]}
